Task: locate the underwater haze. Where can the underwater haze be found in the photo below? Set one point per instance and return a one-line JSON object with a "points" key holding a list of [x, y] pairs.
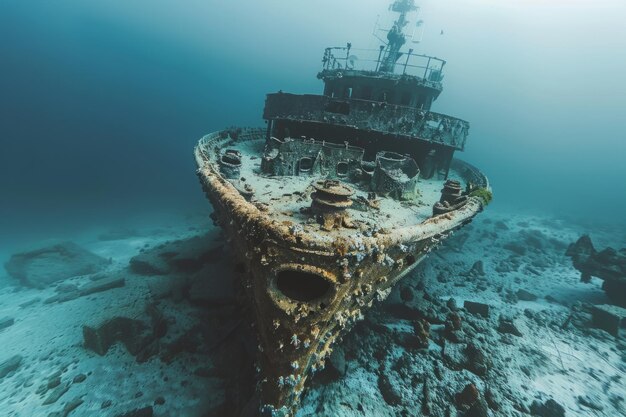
{"points": [[103, 101], [123, 294]]}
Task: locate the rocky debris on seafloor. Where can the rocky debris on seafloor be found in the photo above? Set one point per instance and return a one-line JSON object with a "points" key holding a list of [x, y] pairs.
{"points": [[57, 393], [609, 318], [388, 390], [44, 266], [507, 326], [79, 378], [10, 365], [6, 322], [550, 408], [181, 256], [477, 270], [73, 292], [608, 265], [471, 402], [139, 335], [524, 295], [480, 309]]}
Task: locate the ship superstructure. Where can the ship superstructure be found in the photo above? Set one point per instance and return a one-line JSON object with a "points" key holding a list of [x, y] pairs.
{"points": [[340, 196]]}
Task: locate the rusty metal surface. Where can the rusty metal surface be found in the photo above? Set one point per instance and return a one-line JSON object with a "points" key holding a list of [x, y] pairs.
{"points": [[308, 287], [369, 115]]}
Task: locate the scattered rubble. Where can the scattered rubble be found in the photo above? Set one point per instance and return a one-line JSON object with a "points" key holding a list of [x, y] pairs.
{"points": [[608, 317], [608, 264], [550, 408], [480, 309], [138, 335]]}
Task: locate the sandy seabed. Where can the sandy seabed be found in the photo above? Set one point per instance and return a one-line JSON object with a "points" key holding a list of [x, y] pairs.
{"points": [[190, 353]]}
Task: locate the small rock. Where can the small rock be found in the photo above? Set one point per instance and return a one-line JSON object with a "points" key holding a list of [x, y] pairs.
{"points": [[79, 378], [477, 308], [468, 396], [478, 409], [477, 270], [56, 394], [6, 322], [30, 302], [159, 401], [71, 406], [590, 402], [507, 326], [388, 391], [406, 294], [608, 318], [106, 404], [54, 382], [10, 365], [493, 399], [548, 409], [525, 295]]}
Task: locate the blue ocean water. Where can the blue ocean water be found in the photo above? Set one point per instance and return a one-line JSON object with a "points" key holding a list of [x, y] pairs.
{"points": [[102, 102]]}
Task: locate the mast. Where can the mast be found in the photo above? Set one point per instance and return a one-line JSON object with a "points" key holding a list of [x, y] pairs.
{"points": [[396, 36]]}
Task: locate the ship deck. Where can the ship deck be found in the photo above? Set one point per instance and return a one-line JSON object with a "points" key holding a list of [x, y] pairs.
{"points": [[285, 196]]}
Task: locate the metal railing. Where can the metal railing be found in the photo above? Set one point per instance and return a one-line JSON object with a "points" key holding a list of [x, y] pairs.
{"points": [[418, 65]]}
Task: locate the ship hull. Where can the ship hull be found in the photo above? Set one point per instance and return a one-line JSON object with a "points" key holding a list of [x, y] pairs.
{"points": [[305, 289]]}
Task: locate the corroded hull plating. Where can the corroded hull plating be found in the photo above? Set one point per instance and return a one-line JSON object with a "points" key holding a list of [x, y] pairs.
{"points": [[297, 328]]}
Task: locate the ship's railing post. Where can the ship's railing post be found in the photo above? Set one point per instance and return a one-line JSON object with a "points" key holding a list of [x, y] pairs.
{"points": [[380, 53], [427, 67], [407, 61]]}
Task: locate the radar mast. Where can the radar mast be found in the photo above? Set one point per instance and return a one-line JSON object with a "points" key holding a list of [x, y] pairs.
{"points": [[396, 36]]}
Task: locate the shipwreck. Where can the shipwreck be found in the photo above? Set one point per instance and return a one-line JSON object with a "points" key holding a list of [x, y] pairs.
{"points": [[338, 198]]}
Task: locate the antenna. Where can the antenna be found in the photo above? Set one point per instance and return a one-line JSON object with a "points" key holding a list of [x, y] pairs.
{"points": [[396, 36]]}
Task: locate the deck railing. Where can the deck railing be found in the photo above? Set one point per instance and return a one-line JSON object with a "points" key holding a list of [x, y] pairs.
{"points": [[418, 65]]}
